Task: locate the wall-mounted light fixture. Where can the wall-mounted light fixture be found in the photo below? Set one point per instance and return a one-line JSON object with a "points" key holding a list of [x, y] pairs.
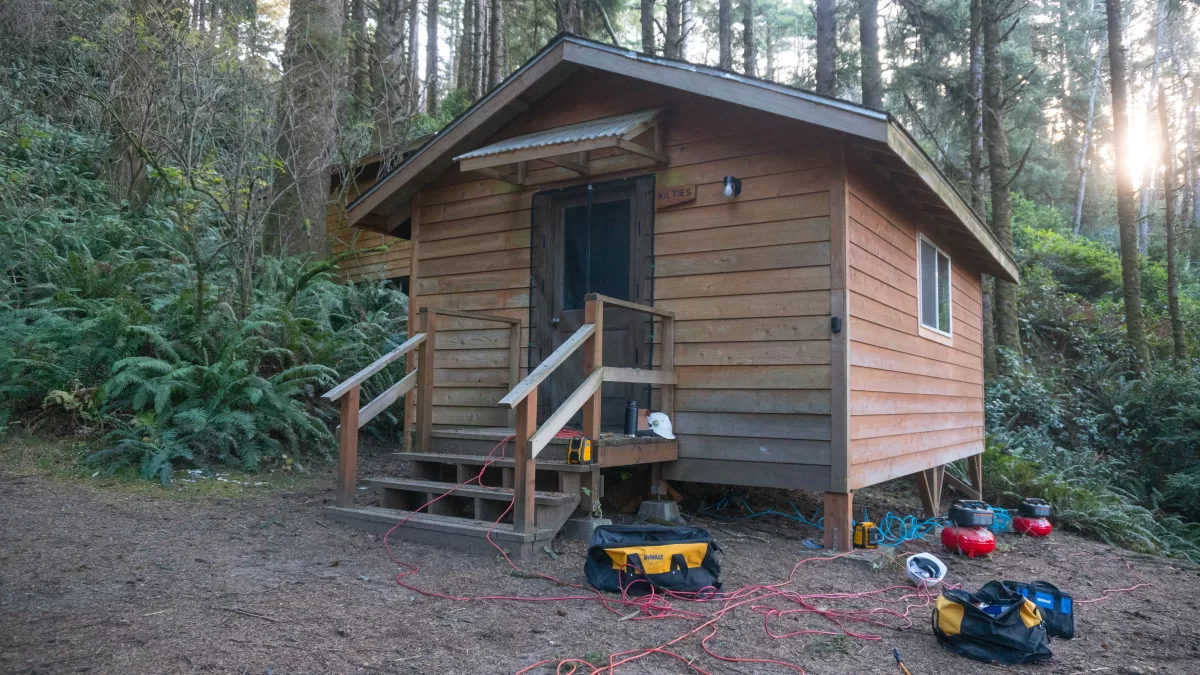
{"points": [[733, 186]]}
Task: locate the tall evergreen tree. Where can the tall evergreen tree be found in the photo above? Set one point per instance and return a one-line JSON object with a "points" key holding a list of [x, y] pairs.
{"points": [[312, 60], [872, 73], [827, 47], [749, 46], [1131, 275], [431, 57], [724, 34]]}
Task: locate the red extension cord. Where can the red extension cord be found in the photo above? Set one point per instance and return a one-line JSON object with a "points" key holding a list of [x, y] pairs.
{"points": [[658, 605]]}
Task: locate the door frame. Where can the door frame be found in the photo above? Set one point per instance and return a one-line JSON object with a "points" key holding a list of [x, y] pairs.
{"points": [[642, 190]]}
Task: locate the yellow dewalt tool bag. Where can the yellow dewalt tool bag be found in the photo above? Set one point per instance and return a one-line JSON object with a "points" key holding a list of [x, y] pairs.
{"points": [[637, 558], [994, 623]]}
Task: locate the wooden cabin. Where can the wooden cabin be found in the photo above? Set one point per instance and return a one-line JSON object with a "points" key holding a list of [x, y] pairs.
{"points": [[787, 275]]}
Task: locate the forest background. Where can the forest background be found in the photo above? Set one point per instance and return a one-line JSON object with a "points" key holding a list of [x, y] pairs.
{"points": [[168, 297]]}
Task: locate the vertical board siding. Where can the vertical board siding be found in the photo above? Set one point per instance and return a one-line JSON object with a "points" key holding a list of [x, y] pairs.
{"points": [[915, 402], [748, 278]]}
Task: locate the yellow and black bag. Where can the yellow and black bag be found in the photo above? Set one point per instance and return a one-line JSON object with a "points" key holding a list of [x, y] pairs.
{"points": [[993, 624], [636, 558]]}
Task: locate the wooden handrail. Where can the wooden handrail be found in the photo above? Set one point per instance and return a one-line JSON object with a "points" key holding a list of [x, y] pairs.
{"points": [[380, 363], [645, 309], [565, 412], [553, 361], [386, 399]]}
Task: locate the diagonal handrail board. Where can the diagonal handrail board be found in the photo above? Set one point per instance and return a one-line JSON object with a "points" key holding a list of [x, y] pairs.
{"points": [[565, 412], [553, 361], [380, 363], [387, 398]]}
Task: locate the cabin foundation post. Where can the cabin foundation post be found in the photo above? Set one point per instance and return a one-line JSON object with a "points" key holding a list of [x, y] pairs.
{"points": [[839, 521]]}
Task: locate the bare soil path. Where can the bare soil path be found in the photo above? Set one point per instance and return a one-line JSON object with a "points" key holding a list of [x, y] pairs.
{"points": [[104, 580]]}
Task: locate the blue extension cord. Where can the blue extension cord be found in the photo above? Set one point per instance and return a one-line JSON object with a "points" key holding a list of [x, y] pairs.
{"points": [[894, 529]]}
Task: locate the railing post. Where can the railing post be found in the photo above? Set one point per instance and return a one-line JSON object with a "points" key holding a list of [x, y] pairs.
{"points": [[425, 366], [667, 391], [593, 358], [526, 466], [347, 479], [514, 364]]}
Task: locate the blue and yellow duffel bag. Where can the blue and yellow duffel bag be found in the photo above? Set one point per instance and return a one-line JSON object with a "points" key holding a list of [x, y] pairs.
{"points": [[636, 558], [994, 623]]}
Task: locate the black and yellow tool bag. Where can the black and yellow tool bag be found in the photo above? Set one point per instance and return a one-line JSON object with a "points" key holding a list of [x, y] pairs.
{"points": [[637, 558], [993, 624]]}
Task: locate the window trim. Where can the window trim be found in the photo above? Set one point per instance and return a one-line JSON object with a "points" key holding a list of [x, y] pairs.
{"points": [[920, 294]]}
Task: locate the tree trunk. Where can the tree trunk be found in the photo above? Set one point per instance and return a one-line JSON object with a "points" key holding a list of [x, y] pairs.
{"points": [[477, 54], [388, 69], [360, 67], [1131, 276], [312, 58], [978, 183], [647, 16], [872, 74], [466, 50], [1168, 161], [1086, 143], [724, 34], [749, 48], [414, 60], [496, 40], [570, 13], [671, 44], [431, 57], [686, 22], [826, 47], [1004, 301]]}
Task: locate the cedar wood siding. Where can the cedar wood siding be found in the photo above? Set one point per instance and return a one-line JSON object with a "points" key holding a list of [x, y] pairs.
{"points": [[915, 402], [748, 279], [389, 265]]}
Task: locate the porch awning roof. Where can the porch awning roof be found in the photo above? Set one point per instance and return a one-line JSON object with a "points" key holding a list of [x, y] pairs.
{"points": [[568, 146], [617, 126]]}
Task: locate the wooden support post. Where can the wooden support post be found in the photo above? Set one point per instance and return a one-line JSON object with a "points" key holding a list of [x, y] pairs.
{"points": [[424, 422], [667, 391], [929, 486], [410, 401], [526, 467], [839, 521], [347, 480], [590, 499], [593, 358], [975, 473], [514, 365]]}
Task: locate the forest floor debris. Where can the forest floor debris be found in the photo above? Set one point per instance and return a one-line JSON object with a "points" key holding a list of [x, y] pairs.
{"points": [[95, 577]]}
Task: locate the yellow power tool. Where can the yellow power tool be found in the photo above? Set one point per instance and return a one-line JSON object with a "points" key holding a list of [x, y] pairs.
{"points": [[579, 451]]}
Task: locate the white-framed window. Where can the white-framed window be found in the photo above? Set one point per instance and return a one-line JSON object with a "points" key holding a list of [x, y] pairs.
{"points": [[933, 287]]}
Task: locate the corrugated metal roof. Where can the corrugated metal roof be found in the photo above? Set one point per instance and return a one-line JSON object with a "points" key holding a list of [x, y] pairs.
{"points": [[605, 127]]}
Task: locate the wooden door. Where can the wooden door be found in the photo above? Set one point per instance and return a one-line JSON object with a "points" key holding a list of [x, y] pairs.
{"points": [[594, 238]]}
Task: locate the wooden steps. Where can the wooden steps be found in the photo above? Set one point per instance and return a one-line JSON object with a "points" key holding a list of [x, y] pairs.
{"points": [[461, 519], [461, 534]]}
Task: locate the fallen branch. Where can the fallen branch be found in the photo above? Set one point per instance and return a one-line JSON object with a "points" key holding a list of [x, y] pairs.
{"points": [[242, 611]]}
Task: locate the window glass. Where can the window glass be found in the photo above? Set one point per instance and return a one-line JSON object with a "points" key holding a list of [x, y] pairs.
{"points": [[928, 284], [935, 288]]}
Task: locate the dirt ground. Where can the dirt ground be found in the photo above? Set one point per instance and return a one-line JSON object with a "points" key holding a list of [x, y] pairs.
{"points": [[103, 579]]}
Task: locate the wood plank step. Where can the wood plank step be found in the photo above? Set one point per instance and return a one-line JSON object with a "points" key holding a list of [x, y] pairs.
{"points": [[480, 460], [468, 491], [437, 530], [497, 434]]}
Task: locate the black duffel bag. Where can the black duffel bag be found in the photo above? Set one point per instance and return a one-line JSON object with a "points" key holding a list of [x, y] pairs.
{"points": [[993, 624], [1057, 608], [636, 558]]}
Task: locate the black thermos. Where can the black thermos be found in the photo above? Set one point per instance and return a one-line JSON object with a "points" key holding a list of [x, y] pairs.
{"points": [[631, 418]]}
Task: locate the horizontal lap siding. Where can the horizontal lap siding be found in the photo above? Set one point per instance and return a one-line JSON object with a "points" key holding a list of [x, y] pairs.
{"points": [[748, 279], [914, 402], [360, 266]]}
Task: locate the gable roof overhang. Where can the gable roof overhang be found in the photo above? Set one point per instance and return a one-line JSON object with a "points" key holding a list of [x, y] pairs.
{"points": [[386, 205]]}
